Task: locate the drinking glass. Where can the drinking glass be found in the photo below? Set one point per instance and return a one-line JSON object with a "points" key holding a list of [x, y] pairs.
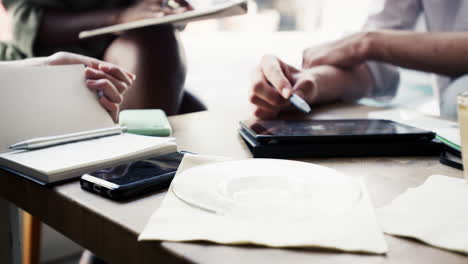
{"points": [[463, 121]]}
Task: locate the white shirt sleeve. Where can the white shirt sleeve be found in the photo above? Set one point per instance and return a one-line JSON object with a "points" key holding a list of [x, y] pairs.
{"points": [[390, 14]]}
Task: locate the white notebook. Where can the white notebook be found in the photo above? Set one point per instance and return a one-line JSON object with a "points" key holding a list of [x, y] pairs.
{"points": [[47, 101], [54, 100], [72, 160], [208, 9]]}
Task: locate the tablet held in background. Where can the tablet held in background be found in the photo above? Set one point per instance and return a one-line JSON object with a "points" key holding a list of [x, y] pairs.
{"points": [[214, 10]]}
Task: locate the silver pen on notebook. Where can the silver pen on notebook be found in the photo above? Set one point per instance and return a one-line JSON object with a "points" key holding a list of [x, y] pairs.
{"points": [[44, 142], [299, 103]]}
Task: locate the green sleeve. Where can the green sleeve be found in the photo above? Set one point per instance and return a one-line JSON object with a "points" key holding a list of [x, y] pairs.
{"points": [[27, 16], [8, 51], [26, 19]]}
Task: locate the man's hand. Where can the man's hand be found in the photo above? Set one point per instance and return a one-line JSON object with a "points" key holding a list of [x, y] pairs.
{"points": [[106, 79], [344, 53], [150, 9], [273, 83]]}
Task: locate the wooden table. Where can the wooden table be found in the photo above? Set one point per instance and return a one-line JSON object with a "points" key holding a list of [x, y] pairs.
{"points": [[110, 229]]}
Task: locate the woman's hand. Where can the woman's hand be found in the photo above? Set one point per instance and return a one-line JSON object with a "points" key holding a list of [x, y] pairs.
{"points": [[109, 81], [274, 81], [150, 9]]}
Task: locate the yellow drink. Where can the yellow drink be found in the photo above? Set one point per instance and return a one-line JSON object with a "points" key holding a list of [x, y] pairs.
{"points": [[463, 121]]}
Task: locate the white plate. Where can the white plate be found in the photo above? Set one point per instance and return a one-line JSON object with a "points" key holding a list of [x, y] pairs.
{"points": [[261, 188]]}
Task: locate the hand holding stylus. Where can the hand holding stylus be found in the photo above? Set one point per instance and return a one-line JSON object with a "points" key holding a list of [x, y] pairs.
{"points": [[277, 86]]}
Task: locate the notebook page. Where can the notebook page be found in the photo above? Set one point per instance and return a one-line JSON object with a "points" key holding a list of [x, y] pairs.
{"points": [[47, 101]]}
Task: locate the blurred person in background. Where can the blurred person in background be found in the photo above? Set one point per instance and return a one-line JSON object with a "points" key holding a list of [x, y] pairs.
{"points": [[154, 54]]}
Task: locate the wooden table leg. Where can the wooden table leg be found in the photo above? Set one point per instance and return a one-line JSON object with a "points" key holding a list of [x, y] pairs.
{"points": [[10, 241], [31, 239]]}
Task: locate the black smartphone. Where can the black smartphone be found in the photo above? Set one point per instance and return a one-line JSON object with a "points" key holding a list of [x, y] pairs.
{"points": [[333, 131], [133, 179]]}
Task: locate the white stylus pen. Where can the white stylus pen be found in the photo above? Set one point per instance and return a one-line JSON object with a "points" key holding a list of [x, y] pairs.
{"points": [[299, 103], [44, 142]]}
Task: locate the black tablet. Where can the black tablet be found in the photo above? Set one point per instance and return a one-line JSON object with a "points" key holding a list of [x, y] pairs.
{"points": [[333, 131]]}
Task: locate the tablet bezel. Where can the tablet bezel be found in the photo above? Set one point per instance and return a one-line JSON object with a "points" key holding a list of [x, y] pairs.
{"points": [[417, 135]]}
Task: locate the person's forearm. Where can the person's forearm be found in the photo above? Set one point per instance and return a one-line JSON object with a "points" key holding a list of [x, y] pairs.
{"points": [[441, 53], [39, 61], [334, 83], [62, 28]]}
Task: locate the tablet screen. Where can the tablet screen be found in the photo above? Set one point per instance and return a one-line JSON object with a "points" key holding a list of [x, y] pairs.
{"points": [[350, 127]]}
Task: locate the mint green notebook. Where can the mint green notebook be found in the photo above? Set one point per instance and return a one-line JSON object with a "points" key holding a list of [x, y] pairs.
{"points": [[147, 122]]}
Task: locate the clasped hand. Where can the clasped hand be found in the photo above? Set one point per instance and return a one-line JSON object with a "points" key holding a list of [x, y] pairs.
{"points": [[274, 80]]}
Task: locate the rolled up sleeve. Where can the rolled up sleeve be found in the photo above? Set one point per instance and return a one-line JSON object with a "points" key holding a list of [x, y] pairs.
{"points": [[396, 15], [386, 80]]}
